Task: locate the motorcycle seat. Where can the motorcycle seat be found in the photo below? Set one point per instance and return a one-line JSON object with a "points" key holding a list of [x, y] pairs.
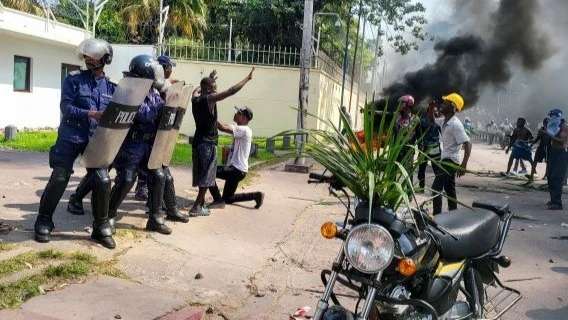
{"points": [[499, 207], [477, 232]]}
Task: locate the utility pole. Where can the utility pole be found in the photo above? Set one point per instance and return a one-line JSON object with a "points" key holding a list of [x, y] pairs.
{"points": [[376, 58], [344, 67], [360, 72], [162, 26], [230, 40], [305, 64]]}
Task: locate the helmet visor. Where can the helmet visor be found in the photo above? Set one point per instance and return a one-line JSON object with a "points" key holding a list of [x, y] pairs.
{"points": [[94, 48]]}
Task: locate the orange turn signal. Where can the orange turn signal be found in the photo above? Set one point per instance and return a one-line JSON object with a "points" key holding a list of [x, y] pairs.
{"points": [[329, 230], [406, 267]]}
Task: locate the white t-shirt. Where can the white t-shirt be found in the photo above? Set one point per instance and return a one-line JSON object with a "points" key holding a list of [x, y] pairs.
{"points": [[453, 137], [240, 149]]}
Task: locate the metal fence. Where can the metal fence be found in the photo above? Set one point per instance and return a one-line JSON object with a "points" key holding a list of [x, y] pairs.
{"points": [[239, 53], [277, 56]]}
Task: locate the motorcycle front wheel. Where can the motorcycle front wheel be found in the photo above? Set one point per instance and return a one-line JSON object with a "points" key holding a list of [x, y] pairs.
{"points": [[337, 313]]}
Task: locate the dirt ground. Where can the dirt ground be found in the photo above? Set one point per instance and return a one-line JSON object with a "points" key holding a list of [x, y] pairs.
{"points": [[266, 263]]}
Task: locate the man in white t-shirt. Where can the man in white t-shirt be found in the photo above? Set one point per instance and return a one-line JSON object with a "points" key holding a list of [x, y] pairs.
{"points": [[237, 163], [454, 138]]}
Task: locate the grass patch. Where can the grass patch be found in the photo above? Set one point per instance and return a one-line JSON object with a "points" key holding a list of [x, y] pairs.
{"points": [[129, 233], [68, 271], [17, 263], [82, 256], [107, 268], [75, 267], [39, 141], [50, 254], [5, 246], [14, 294]]}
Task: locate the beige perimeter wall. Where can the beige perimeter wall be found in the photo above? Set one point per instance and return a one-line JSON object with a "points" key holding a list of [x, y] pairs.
{"points": [[272, 95]]}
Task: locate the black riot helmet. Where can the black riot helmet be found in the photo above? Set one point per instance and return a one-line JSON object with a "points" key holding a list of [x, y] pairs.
{"points": [[145, 66], [97, 49]]}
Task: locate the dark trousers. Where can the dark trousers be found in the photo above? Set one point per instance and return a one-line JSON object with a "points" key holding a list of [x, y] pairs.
{"points": [[445, 180], [556, 168], [422, 169], [232, 177]]}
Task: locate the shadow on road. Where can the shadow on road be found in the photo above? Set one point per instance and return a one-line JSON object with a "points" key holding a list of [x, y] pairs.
{"points": [[541, 314], [560, 269]]}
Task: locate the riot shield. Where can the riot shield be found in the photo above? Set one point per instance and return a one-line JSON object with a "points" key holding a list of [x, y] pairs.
{"points": [[115, 122], [186, 98], [167, 121]]}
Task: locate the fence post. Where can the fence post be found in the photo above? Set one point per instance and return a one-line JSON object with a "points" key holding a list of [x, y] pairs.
{"points": [[270, 144], [10, 133], [253, 150], [286, 142]]}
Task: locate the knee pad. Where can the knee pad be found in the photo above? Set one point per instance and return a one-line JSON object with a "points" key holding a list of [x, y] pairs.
{"points": [[168, 176], [102, 179], [61, 175], [157, 176]]}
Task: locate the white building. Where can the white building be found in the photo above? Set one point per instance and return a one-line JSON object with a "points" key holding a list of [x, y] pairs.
{"points": [[36, 56]]}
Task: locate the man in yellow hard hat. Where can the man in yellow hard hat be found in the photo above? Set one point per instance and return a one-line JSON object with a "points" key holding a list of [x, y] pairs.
{"points": [[454, 138]]}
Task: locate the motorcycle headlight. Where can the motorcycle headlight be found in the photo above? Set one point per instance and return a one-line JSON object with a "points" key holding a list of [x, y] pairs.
{"points": [[369, 248]]}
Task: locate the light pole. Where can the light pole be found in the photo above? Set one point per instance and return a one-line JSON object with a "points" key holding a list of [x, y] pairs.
{"points": [[305, 64], [337, 24]]}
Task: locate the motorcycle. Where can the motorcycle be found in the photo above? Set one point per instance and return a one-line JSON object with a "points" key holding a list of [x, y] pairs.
{"points": [[411, 266]]}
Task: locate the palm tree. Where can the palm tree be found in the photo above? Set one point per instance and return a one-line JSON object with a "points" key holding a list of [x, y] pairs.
{"points": [[29, 6], [186, 17]]}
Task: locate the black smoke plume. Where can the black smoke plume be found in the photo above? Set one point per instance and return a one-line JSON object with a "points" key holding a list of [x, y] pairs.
{"points": [[468, 63]]}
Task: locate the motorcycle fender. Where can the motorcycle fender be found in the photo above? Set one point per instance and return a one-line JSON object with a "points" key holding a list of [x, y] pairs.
{"points": [[487, 269], [441, 290]]}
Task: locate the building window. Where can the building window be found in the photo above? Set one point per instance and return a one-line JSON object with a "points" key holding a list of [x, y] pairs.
{"points": [[22, 73], [65, 69]]}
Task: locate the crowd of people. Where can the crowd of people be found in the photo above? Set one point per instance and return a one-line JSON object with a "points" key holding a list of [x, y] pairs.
{"points": [[85, 97], [443, 136]]}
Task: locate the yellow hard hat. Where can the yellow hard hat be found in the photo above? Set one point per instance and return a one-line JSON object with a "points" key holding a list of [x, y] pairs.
{"points": [[456, 99]]}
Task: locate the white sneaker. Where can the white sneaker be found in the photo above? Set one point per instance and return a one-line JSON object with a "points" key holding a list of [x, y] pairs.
{"points": [[524, 171]]}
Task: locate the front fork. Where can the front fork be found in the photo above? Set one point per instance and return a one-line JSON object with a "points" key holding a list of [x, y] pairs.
{"points": [[323, 303]]}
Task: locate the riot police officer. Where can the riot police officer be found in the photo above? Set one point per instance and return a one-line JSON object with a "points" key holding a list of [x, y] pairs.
{"points": [[84, 97], [173, 213], [136, 148]]}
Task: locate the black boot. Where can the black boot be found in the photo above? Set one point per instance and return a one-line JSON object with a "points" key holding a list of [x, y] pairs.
{"points": [[155, 195], [49, 200], [259, 199], [156, 223], [141, 193], [172, 211], [75, 205], [123, 183], [100, 206]]}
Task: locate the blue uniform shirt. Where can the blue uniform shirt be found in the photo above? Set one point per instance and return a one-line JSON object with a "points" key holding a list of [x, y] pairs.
{"points": [[148, 115], [82, 92]]}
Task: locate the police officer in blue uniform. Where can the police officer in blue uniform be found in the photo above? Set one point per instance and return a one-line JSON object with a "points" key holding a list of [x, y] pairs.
{"points": [[136, 148], [84, 97]]}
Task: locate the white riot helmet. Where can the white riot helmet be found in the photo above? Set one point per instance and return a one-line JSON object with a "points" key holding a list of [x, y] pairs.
{"points": [[97, 49]]}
